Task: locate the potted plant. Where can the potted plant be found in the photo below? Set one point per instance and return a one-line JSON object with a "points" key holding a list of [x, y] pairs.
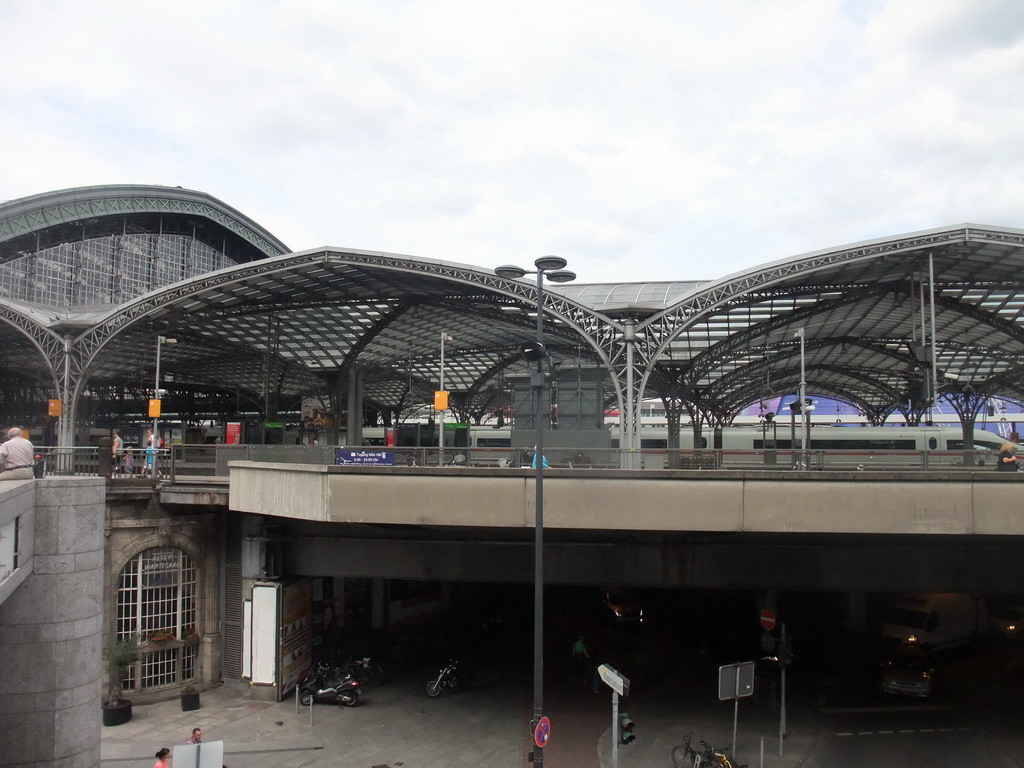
{"points": [[189, 698], [119, 659]]}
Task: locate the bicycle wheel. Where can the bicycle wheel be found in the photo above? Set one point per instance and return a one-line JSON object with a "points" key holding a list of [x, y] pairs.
{"points": [[681, 757], [376, 674]]}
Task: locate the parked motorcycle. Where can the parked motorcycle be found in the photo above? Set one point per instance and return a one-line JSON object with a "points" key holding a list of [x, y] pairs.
{"points": [[329, 686], [450, 677], [366, 671]]}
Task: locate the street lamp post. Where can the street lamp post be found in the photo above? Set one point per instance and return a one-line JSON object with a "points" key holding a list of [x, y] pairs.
{"points": [[554, 268], [804, 414], [155, 405], [441, 404]]}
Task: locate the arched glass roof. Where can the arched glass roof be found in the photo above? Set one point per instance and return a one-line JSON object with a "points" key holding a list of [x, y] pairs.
{"points": [[296, 325]]}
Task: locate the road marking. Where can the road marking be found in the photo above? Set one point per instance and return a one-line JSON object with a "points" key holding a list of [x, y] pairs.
{"points": [[903, 732]]}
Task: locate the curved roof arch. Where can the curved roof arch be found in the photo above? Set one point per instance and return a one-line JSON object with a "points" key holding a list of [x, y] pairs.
{"points": [[295, 321], [870, 290], [317, 311], [25, 220]]}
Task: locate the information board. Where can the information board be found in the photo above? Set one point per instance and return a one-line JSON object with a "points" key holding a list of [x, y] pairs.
{"points": [[372, 458]]}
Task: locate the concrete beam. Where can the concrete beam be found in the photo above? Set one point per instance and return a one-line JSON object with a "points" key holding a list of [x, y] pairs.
{"points": [[890, 503]]}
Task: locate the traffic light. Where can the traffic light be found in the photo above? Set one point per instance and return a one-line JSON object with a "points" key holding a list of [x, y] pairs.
{"points": [[626, 725]]}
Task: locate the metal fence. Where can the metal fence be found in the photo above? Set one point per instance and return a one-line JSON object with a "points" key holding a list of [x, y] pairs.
{"points": [[212, 460]]}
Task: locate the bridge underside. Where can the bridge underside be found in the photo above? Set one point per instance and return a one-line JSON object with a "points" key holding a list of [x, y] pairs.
{"points": [[986, 565]]}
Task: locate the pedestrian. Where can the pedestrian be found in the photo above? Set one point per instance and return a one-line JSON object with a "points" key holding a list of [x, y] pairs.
{"points": [[117, 449], [161, 759], [1007, 461], [580, 662], [197, 736], [150, 452], [17, 457]]}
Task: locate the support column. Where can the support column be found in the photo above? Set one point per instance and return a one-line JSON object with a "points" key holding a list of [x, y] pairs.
{"points": [[51, 628], [629, 424], [354, 417]]}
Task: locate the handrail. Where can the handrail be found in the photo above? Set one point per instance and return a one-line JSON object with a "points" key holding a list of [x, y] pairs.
{"points": [[212, 460]]}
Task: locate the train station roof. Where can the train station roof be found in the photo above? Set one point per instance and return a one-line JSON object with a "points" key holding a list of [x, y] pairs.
{"points": [[108, 270]]}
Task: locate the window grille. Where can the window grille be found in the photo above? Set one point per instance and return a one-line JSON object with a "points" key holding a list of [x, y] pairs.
{"points": [[156, 598]]}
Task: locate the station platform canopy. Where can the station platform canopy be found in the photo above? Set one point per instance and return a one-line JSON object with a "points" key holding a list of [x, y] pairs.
{"points": [[91, 278]]}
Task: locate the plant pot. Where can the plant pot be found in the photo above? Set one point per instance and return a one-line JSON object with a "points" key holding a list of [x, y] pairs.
{"points": [[118, 715], [189, 701]]}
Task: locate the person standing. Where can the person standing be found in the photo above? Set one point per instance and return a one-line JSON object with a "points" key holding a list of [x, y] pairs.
{"points": [[117, 448], [580, 662], [161, 758], [150, 452], [1007, 461], [17, 457]]}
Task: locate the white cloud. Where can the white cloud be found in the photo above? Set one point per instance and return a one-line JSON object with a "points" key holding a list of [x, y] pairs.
{"points": [[642, 141]]}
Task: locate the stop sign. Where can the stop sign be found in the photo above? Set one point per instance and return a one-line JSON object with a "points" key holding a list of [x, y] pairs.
{"points": [[768, 619]]}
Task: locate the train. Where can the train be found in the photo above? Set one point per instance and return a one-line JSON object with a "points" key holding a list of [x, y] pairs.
{"points": [[740, 446]]}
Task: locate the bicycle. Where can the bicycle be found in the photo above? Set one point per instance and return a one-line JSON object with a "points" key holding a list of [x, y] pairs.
{"points": [[685, 755], [714, 759]]}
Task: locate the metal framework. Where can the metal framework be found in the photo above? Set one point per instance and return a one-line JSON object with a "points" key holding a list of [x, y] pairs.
{"points": [[89, 278]]}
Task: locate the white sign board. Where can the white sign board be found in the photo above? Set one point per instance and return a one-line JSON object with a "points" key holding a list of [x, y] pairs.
{"points": [[264, 634], [735, 680], [8, 550], [209, 754], [614, 679]]}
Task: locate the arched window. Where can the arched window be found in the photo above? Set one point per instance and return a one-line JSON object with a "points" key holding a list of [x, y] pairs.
{"points": [[156, 599]]}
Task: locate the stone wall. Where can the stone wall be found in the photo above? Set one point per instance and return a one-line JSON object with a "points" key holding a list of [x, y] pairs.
{"points": [[51, 628]]}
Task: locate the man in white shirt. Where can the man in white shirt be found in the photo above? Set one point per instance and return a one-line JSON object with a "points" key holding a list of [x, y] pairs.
{"points": [[17, 457]]}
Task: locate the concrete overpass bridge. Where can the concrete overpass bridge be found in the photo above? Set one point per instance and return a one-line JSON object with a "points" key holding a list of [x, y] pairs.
{"points": [[878, 531]]}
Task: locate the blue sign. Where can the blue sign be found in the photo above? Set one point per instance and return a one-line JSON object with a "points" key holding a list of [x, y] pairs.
{"points": [[375, 458]]}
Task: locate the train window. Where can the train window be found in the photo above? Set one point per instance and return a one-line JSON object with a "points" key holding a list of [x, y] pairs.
{"points": [[869, 444], [493, 442]]}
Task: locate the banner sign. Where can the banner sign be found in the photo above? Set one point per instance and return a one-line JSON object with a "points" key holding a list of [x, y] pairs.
{"points": [[373, 458]]}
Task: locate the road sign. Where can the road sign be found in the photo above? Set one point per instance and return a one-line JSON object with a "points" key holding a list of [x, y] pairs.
{"points": [[614, 679], [736, 680], [542, 733], [768, 619]]}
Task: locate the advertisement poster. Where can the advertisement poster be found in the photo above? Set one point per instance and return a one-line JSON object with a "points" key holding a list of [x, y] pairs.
{"points": [[296, 632]]}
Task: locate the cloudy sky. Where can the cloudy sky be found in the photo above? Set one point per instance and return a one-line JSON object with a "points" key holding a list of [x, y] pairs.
{"points": [[640, 139]]}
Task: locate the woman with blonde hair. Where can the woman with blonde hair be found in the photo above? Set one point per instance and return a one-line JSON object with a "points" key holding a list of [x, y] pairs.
{"points": [[1007, 461]]}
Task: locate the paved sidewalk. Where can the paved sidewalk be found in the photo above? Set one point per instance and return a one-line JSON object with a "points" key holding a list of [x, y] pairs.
{"points": [[397, 726]]}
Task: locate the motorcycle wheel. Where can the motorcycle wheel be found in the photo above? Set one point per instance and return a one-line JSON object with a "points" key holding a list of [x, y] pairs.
{"points": [[434, 689], [305, 697], [348, 698]]}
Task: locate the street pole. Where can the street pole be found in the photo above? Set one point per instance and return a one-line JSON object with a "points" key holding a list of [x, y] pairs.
{"points": [[537, 380], [160, 341], [554, 267], [440, 412], [804, 415]]}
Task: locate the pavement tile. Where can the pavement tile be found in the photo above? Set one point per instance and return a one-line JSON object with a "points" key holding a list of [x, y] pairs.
{"points": [[398, 726]]}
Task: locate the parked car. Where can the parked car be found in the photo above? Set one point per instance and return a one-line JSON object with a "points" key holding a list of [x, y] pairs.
{"points": [[907, 671], [936, 619], [1007, 621], [622, 606]]}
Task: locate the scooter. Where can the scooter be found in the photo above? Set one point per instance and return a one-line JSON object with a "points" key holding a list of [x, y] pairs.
{"points": [[335, 688], [450, 677]]}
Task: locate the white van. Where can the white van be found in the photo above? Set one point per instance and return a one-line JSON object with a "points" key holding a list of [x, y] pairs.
{"points": [[936, 619]]}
